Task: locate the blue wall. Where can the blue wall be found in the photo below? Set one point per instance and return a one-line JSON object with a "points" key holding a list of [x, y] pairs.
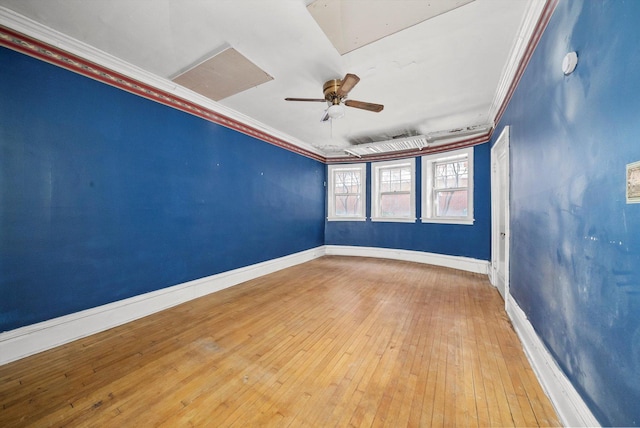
{"points": [[575, 243], [105, 195], [457, 240]]}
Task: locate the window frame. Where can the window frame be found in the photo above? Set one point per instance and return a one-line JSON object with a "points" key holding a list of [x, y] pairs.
{"points": [[376, 168], [331, 214], [428, 194]]}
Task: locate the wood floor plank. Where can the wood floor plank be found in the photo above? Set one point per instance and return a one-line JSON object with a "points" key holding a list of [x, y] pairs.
{"points": [[473, 360], [337, 341], [433, 402], [353, 387]]}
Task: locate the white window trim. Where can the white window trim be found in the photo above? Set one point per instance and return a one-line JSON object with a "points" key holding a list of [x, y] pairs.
{"points": [[375, 185], [362, 167], [427, 187]]}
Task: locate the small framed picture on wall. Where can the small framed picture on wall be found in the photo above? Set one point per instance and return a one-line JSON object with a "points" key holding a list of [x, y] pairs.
{"points": [[633, 183]]}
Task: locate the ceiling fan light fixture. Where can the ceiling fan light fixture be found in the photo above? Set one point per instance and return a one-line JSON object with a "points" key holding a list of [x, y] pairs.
{"points": [[336, 111], [335, 93]]}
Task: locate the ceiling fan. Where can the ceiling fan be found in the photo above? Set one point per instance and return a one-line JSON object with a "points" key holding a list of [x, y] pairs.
{"points": [[335, 93]]}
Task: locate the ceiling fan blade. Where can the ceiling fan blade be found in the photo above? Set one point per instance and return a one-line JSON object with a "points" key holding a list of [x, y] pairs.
{"points": [[315, 100], [349, 81], [364, 106]]}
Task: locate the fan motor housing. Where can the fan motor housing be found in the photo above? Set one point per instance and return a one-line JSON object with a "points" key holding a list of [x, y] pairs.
{"points": [[330, 90]]}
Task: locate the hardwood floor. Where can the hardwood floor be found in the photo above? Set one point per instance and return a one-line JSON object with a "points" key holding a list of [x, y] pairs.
{"points": [[334, 342]]}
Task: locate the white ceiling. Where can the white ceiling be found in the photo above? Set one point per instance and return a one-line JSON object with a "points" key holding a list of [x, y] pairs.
{"points": [[440, 74]]}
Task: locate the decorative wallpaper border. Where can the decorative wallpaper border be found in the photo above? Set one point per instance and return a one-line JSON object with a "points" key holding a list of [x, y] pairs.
{"points": [[541, 25], [33, 47], [414, 152], [45, 52]]}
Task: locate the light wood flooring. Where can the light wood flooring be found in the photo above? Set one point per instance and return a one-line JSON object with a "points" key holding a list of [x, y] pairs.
{"points": [[337, 341]]}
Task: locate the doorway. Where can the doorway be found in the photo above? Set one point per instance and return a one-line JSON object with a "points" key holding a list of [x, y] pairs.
{"points": [[500, 214]]}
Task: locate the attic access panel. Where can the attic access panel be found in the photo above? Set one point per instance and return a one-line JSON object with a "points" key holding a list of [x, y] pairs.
{"points": [[222, 75], [349, 25]]}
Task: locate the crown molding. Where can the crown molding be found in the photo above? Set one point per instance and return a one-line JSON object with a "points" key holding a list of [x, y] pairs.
{"points": [[532, 27], [24, 35], [460, 144]]}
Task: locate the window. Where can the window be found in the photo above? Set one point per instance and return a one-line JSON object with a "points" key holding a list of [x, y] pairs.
{"points": [[393, 191], [347, 197], [448, 187]]}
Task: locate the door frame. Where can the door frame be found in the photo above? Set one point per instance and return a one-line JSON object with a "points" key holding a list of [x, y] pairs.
{"points": [[500, 150]]}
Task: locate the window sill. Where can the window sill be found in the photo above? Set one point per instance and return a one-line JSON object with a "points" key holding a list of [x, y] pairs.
{"points": [[346, 219], [393, 220], [448, 221]]}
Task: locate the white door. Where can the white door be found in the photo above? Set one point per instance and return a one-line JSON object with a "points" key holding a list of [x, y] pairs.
{"points": [[500, 214]]}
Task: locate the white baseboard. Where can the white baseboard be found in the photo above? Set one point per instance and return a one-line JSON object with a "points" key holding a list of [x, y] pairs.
{"points": [[455, 262], [31, 339], [571, 409]]}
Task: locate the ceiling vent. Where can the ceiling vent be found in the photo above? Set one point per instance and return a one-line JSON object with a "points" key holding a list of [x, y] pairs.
{"points": [[419, 142], [440, 138], [396, 145], [223, 74]]}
